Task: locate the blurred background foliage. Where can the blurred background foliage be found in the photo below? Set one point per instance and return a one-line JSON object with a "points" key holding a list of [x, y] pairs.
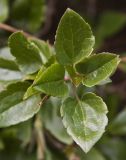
{"points": [[27, 141]]}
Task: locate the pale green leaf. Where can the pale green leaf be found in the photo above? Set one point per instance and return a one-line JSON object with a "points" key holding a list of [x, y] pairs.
{"points": [[74, 38], [13, 109], [26, 53], [3, 10], [97, 68], [9, 71], [52, 120], [85, 119]]}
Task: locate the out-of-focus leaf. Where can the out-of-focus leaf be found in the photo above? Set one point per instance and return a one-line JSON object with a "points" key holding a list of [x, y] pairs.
{"points": [[74, 38], [85, 120], [52, 120], [97, 68], [118, 125], [24, 131], [94, 154], [113, 148], [12, 109], [8, 64], [112, 101], [54, 155], [5, 53], [9, 71], [110, 23], [1, 144], [29, 14], [26, 53], [3, 10]]}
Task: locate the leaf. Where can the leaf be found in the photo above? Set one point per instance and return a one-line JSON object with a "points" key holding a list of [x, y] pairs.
{"points": [[8, 64], [108, 25], [3, 10], [85, 120], [13, 109], [5, 53], [97, 68], [118, 125], [47, 51], [113, 148], [51, 81], [9, 71], [105, 81], [29, 16], [26, 53], [53, 122], [94, 154], [74, 39]]}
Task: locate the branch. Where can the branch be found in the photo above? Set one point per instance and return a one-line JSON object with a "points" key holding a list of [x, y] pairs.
{"points": [[13, 29]]}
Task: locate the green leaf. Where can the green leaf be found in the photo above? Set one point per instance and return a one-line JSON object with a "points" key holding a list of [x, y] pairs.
{"points": [[47, 51], [108, 25], [26, 53], [105, 81], [52, 120], [94, 154], [9, 70], [85, 120], [8, 64], [113, 148], [97, 68], [3, 10], [13, 109], [74, 39], [29, 16], [118, 125], [51, 81]]}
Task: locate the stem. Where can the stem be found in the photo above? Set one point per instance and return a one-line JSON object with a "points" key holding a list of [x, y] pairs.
{"points": [[43, 99], [75, 92], [13, 29], [39, 138]]}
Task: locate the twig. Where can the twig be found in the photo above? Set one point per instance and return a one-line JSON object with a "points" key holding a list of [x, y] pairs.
{"points": [[13, 29], [43, 99], [39, 138], [123, 59]]}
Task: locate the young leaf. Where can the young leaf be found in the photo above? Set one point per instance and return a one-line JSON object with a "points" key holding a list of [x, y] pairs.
{"points": [[51, 81], [3, 10], [13, 109], [97, 68], [74, 39], [85, 120], [25, 52]]}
